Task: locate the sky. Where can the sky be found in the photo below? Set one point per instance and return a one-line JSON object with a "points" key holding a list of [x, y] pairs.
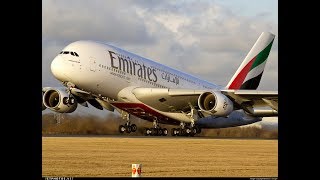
{"points": [[206, 38]]}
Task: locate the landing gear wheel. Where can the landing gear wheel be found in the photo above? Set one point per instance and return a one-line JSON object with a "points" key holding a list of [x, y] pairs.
{"points": [[187, 131], [133, 128], [178, 132], [160, 132], [182, 132], [173, 132], [147, 132], [122, 129], [193, 131], [154, 131], [128, 129], [164, 131]]}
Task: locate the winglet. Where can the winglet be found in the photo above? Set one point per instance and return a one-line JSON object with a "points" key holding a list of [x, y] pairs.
{"points": [[249, 73]]}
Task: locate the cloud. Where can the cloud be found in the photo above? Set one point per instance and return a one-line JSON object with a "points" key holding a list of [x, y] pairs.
{"points": [[210, 44], [69, 21]]}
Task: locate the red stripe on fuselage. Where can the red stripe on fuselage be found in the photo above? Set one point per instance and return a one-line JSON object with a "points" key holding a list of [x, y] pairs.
{"points": [[237, 82], [144, 112]]}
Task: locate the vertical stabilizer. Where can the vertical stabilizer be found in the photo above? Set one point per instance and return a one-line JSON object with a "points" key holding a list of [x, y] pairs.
{"points": [[249, 73]]}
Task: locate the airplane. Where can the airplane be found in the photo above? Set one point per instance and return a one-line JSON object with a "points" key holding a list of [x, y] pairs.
{"points": [[111, 78]]}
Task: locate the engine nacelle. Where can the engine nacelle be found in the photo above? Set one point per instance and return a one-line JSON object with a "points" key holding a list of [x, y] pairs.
{"points": [[215, 103], [58, 100], [43, 106]]}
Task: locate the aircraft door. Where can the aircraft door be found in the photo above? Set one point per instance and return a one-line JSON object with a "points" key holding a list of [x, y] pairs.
{"points": [[93, 64]]}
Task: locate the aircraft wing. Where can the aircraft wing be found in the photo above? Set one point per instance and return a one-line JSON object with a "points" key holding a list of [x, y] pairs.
{"points": [[168, 100], [253, 97], [97, 102], [177, 100]]}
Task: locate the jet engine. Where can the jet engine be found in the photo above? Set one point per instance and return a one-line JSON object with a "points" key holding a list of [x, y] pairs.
{"points": [[59, 100], [215, 103], [43, 106]]}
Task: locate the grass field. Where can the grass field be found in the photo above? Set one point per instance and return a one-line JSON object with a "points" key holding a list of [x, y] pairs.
{"points": [[160, 157]]}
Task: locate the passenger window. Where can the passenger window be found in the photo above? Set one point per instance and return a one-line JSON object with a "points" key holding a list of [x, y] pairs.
{"points": [[72, 54], [76, 54]]}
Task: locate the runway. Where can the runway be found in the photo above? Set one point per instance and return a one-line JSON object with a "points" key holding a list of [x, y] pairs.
{"points": [[112, 156], [150, 137]]}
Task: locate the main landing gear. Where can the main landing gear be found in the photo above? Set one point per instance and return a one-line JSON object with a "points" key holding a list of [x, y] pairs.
{"points": [[156, 130], [185, 130], [190, 129], [128, 127]]}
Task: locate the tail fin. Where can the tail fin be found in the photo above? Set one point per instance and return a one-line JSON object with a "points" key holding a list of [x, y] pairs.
{"points": [[251, 69]]}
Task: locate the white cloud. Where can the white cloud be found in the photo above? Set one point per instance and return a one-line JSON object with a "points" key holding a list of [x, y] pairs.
{"points": [[210, 43], [172, 21]]}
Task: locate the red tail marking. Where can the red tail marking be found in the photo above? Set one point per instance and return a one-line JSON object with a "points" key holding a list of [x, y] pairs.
{"points": [[237, 82]]}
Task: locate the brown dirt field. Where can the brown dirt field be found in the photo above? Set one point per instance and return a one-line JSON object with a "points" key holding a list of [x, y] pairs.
{"points": [[160, 157]]}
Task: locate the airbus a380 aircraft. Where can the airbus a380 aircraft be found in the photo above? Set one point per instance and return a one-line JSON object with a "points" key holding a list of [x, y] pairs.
{"points": [[111, 78]]}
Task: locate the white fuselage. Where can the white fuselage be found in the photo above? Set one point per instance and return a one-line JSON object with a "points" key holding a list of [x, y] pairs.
{"points": [[104, 69]]}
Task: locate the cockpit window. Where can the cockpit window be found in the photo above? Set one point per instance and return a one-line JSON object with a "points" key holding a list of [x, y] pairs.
{"points": [[72, 53]]}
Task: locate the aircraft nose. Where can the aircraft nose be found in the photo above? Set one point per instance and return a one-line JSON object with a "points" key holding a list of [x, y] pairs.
{"points": [[57, 67]]}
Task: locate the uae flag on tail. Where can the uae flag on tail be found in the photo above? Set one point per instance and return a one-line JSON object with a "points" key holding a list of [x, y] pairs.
{"points": [[249, 73]]}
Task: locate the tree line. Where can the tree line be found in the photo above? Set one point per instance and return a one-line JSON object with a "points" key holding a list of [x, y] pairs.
{"points": [[73, 124]]}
